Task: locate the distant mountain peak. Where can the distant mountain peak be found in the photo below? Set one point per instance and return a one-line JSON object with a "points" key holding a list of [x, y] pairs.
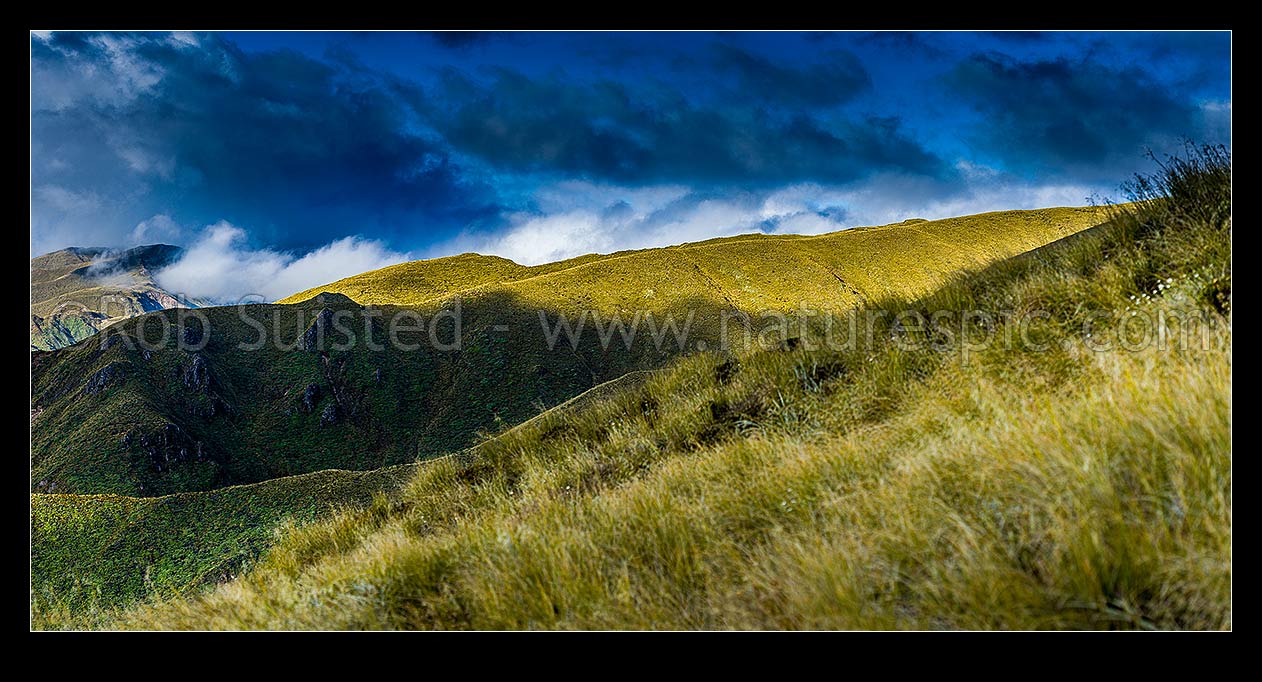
{"points": [[69, 286]]}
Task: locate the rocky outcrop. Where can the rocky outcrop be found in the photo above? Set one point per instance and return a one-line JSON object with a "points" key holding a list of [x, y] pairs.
{"points": [[315, 336], [192, 334], [166, 447], [112, 374], [160, 300], [788, 345], [330, 415], [346, 396], [113, 340], [197, 376], [202, 400], [310, 396], [724, 372], [64, 328]]}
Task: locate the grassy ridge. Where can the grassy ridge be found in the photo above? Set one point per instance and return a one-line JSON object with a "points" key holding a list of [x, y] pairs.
{"points": [[750, 272], [169, 420], [886, 486], [421, 281]]}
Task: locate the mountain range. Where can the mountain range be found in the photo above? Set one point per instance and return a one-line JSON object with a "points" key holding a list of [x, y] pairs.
{"points": [[78, 291]]}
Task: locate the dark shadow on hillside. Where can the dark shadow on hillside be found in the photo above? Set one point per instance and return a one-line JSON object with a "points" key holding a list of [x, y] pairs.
{"points": [[185, 400]]}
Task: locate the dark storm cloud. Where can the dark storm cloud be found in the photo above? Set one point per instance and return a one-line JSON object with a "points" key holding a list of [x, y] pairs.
{"points": [[904, 42], [1194, 59], [456, 40], [1019, 36], [822, 36], [1059, 115], [835, 81], [300, 139], [300, 150], [608, 131]]}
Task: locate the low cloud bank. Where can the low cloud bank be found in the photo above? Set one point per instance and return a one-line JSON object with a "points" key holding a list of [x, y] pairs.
{"points": [[221, 267], [576, 218]]}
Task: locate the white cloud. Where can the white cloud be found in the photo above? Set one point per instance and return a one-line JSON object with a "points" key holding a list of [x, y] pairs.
{"points": [[143, 161], [159, 228], [807, 223], [550, 238], [609, 220], [122, 76], [1217, 120], [67, 200], [577, 218], [582, 218], [62, 217], [185, 39], [220, 266], [889, 199], [541, 239]]}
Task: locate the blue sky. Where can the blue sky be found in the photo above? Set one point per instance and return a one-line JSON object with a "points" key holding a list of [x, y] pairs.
{"points": [[284, 160]]}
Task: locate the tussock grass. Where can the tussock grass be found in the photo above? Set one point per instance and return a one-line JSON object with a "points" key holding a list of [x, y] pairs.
{"points": [[874, 488]]}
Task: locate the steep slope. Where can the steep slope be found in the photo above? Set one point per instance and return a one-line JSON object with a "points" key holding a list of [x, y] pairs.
{"points": [[1042, 480], [76, 292], [162, 416]]}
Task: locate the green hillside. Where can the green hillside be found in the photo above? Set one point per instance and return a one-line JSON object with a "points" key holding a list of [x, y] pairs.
{"points": [[1037, 483], [76, 292], [94, 552], [118, 416]]}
